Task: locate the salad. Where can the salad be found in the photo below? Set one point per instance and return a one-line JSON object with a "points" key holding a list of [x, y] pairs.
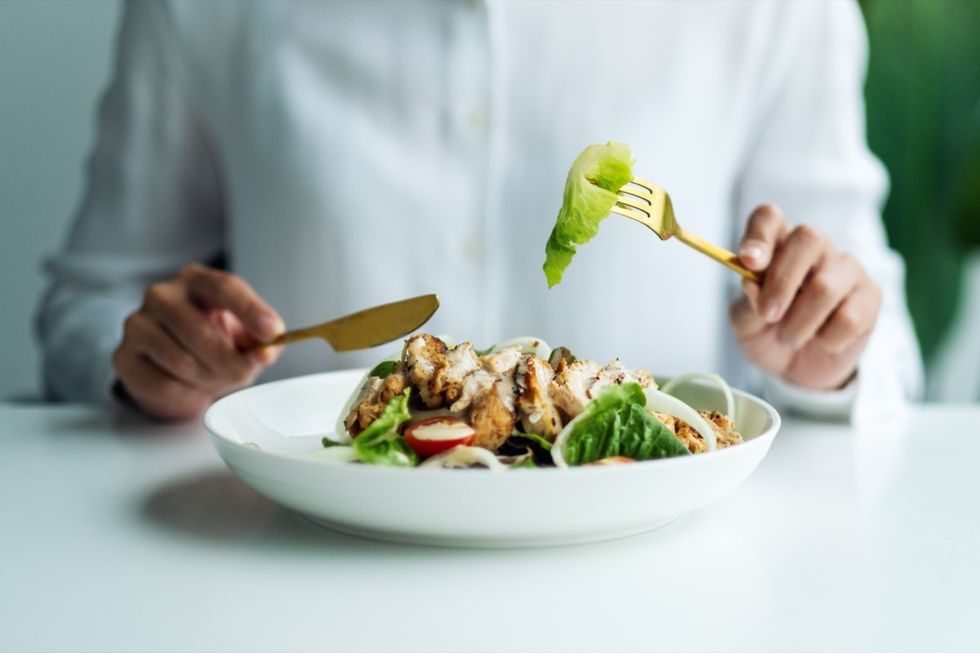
{"points": [[518, 404]]}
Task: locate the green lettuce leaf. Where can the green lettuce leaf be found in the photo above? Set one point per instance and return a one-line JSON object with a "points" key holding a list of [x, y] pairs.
{"points": [[616, 423], [590, 193], [380, 443]]}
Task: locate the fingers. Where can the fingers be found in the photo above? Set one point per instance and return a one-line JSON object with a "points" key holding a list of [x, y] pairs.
{"points": [[815, 309], [156, 391], [167, 304], [792, 262], [766, 228], [209, 289], [743, 313], [144, 336], [853, 320], [234, 329], [824, 290], [182, 347]]}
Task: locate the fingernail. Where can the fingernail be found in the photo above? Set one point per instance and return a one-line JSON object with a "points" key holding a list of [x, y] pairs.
{"points": [[268, 327], [751, 254], [770, 310]]}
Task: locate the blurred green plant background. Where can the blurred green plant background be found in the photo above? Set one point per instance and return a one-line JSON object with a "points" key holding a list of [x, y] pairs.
{"points": [[923, 104]]}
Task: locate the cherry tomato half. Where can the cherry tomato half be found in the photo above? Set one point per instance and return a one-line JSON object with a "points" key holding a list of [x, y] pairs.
{"points": [[437, 434]]}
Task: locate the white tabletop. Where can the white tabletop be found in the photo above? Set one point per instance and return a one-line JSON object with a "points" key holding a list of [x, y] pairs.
{"points": [[123, 535]]}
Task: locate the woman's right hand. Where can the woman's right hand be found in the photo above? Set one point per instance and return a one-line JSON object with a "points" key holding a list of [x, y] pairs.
{"points": [[184, 347]]}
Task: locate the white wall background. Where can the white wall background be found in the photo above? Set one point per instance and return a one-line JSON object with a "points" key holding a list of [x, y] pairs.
{"points": [[54, 62]]}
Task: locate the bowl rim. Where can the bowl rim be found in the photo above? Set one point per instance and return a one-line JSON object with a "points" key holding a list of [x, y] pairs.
{"points": [[762, 440]]}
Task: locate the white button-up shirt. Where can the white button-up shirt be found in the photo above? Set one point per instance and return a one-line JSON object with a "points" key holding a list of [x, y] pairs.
{"points": [[340, 155]]}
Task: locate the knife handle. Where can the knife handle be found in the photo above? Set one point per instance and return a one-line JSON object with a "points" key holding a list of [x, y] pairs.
{"points": [[317, 331]]}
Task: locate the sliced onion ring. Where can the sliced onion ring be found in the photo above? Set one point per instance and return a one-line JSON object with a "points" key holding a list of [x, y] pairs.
{"points": [[463, 456], [558, 446], [664, 403], [713, 379]]}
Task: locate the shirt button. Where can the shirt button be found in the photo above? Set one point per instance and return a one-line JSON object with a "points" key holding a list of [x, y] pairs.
{"points": [[473, 249], [477, 118]]}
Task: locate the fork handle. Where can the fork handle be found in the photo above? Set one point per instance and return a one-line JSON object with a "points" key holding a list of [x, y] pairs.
{"points": [[720, 254]]}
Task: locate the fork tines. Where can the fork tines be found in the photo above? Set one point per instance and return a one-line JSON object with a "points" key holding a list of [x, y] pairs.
{"points": [[635, 195]]}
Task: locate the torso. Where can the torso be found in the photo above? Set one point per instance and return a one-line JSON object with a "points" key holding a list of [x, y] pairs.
{"points": [[374, 155]]}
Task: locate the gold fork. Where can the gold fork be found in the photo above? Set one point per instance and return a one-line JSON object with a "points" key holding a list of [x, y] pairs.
{"points": [[650, 205]]}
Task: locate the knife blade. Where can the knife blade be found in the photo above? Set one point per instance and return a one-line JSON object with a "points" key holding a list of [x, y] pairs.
{"points": [[369, 327]]}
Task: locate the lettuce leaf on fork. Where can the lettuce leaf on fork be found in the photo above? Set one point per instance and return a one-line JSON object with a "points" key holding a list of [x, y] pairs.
{"points": [[590, 193]]}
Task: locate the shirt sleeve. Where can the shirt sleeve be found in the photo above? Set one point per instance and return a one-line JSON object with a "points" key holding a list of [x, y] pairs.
{"points": [[152, 204], [808, 155]]}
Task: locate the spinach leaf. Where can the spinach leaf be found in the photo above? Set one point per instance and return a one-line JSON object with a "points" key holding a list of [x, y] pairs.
{"points": [[526, 463], [534, 438], [384, 369], [616, 423], [380, 443]]}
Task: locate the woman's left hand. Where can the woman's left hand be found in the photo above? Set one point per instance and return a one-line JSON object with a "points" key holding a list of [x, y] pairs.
{"points": [[811, 317]]}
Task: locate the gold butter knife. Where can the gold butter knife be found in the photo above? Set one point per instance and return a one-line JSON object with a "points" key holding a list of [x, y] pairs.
{"points": [[367, 328]]}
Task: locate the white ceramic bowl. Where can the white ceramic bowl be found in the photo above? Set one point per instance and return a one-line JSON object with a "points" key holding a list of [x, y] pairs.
{"points": [[525, 507]]}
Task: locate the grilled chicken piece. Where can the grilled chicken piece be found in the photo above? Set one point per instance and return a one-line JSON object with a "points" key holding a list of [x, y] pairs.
{"points": [[569, 389], [578, 383], [611, 374], [639, 375], [394, 384], [457, 364], [503, 366], [502, 363], [373, 398], [369, 391], [474, 385], [422, 357], [491, 419], [615, 374], [496, 369], [725, 433], [534, 407]]}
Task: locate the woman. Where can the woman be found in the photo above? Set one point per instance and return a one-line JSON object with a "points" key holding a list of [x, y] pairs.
{"points": [[264, 164]]}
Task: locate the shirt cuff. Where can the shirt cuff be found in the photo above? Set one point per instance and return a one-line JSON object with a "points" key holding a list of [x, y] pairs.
{"points": [[824, 404]]}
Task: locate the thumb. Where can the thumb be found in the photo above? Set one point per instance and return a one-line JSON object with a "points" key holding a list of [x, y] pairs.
{"points": [[238, 334], [743, 314]]}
